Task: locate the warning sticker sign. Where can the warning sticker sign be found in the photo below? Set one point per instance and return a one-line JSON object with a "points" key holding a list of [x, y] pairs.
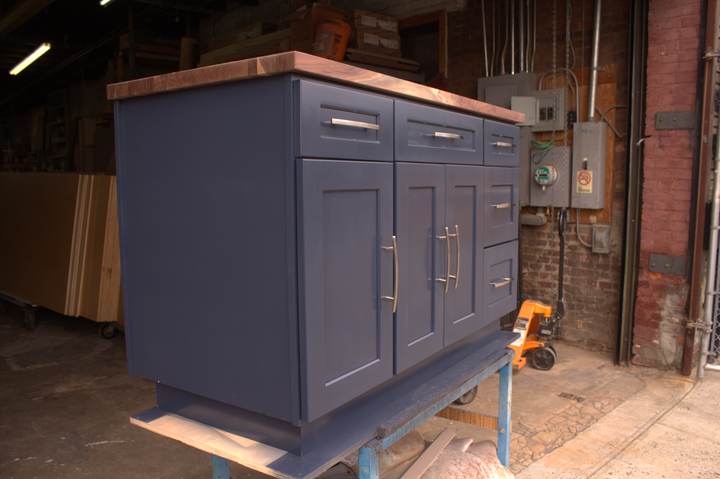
{"points": [[584, 182]]}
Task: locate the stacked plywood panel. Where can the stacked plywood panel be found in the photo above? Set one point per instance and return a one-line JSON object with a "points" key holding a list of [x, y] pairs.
{"points": [[60, 247]]}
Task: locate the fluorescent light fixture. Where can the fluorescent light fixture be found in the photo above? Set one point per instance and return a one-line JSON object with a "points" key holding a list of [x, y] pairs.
{"points": [[30, 58], [104, 2]]}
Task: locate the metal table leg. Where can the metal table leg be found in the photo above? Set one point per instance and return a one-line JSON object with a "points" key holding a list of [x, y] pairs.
{"points": [[221, 467], [368, 461], [504, 424]]}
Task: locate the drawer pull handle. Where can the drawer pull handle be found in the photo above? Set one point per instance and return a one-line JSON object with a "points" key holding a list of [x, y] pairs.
{"points": [[504, 282], [393, 298], [448, 276], [442, 134], [457, 256], [502, 143], [356, 124], [503, 205]]}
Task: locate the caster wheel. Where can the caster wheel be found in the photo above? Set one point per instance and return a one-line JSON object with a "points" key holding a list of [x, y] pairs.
{"points": [[468, 397], [107, 331], [30, 322], [544, 358]]}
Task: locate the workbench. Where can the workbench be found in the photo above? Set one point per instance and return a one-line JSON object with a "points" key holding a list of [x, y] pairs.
{"points": [[376, 433]]}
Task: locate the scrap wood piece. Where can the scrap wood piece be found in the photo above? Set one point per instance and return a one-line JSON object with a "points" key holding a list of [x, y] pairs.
{"points": [[468, 417], [479, 461], [428, 457]]}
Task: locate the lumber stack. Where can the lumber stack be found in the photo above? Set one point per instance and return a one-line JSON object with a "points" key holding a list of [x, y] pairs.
{"points": [[60, 245]]}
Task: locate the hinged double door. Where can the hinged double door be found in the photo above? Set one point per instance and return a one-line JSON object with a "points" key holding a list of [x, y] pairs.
{"points": [[439, 229]]}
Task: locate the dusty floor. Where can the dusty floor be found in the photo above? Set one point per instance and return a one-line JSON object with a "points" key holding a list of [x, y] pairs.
{"points": [[65, 399]]}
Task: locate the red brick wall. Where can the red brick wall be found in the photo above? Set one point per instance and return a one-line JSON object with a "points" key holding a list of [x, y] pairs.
{"points": [[673, 40], [592, 281]]}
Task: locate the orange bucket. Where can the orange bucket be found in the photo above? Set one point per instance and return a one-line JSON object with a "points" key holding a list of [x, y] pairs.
{"points": [[331, 39]]}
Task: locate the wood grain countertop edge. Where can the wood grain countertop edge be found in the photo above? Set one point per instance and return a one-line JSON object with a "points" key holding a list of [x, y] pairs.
{"points": [[297, 62]]}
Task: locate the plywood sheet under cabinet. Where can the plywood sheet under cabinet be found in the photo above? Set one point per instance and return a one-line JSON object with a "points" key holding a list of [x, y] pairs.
{"points": [[37, 217]]}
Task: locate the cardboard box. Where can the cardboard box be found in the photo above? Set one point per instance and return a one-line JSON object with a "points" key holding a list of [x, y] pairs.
{"points": [[302, 33], [375, 20], [378, 41]]}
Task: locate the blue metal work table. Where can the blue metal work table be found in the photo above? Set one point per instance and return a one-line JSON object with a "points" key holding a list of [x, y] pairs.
{"points": [[373, 435]]}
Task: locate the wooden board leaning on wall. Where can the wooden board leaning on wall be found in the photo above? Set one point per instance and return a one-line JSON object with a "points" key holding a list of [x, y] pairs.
{"points": [[60, 247], [606, 97]]}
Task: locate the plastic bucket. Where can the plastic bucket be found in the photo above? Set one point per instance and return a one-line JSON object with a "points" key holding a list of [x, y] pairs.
{"points": [[331, 39]]}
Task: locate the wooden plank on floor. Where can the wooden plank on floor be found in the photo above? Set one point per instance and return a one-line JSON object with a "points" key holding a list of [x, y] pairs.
{"points": [[468, 417], [428, 457]]}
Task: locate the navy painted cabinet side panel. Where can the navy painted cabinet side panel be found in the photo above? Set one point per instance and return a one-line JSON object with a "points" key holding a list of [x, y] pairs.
{"points": [[420, 221], [204, 241], [345, 223], [464, 210]]}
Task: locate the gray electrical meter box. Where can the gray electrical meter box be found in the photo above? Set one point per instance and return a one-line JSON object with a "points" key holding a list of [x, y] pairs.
{"points": [[550, 178], [588, 165], [551, 113]]}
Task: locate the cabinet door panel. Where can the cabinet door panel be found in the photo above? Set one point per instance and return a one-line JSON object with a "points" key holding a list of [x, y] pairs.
{"points": [[420, 192], [330, 123], [501, 144], [502, 205], [344, 221], [430, 135], [500, 280], [463, 302]]}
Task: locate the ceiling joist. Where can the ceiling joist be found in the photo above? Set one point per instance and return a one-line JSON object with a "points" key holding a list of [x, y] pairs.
{"points": [[20, 13]]}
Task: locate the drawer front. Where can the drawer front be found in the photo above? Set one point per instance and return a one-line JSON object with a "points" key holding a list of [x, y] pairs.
{"points": [[501, 144], [430, 135], [502, 205], [500, 280], [334, 122]]}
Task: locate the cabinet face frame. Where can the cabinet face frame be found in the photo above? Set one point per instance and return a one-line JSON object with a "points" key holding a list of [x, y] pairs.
{"points": [[345, 224], [419, 225], [465, 195]]}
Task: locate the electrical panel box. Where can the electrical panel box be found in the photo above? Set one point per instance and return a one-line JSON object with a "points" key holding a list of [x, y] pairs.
{"points": [[550, 182], [551, 112], [588, 165], [526, 105], [498, 91]]}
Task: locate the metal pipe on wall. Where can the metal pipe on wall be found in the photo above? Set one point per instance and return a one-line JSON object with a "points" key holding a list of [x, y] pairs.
{"points": [[532, 62], [595, 61], [482, 9], [512, 37], [527, 29], [712, 264], [521, 28], [502, 56], [492, 62]]}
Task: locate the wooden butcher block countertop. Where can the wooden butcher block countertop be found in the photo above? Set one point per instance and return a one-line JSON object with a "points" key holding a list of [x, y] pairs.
{"points": [[302, 63]]}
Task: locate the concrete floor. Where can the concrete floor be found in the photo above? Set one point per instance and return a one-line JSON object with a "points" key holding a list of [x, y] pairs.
{"points": [[65, 399]]}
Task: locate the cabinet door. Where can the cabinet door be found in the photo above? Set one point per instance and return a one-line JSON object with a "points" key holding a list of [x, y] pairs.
{"points": [[500, 280], [420, 221], [464, 218], [502, 205], [345, 223]]}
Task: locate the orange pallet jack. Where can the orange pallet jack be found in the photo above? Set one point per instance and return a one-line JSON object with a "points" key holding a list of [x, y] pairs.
{"points": [[536, 331]]}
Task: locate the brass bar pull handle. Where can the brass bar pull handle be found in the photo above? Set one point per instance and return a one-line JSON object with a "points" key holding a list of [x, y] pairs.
{"points": [[504, 282], [393, 298], [503, 205], [356, 124], [446, 280], [442, 134], [457, 256], [447, 271], [503, 143]]}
